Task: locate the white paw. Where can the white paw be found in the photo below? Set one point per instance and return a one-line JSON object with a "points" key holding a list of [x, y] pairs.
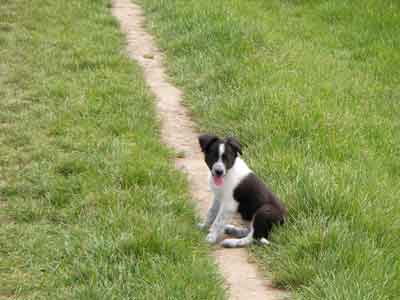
{"points": [[211, 238], [264, 242]]}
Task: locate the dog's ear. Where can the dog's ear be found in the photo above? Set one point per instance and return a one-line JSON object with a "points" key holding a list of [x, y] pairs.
{"points": [[234, 143], [206, 140]]}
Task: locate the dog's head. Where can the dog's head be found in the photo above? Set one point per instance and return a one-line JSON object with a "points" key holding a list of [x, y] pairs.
{"points": [[220, 155]]}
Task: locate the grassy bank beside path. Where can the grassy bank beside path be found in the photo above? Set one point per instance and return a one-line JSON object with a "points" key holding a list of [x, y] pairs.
{"points": [[312, 90], [91, 206]]}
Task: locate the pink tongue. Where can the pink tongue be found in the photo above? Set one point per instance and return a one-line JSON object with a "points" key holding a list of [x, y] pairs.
{"points": [[218, 181]]}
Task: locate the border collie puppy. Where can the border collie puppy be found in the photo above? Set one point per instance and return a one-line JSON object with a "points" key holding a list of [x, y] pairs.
{"points": [[237, 189]]}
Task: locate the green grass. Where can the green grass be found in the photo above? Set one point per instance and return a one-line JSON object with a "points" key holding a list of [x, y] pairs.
{"points": [[312, 89], [90, 204]]}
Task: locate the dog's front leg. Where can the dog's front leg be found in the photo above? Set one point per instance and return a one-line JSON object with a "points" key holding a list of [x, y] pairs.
{"points": [[211, 214], [225, 213]]}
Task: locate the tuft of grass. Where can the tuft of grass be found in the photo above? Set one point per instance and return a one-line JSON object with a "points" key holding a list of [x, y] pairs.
{"points": [[311, 88], [91, 206]]}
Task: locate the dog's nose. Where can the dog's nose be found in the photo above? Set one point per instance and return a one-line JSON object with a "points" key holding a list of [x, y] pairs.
{"points": [[219, 172]]}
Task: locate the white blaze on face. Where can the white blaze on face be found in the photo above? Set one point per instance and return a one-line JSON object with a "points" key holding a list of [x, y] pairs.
{"points": [[221, 151], [219, 165]]}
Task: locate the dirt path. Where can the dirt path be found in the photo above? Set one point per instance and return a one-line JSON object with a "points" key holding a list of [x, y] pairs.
{"points": [[178, 132]]}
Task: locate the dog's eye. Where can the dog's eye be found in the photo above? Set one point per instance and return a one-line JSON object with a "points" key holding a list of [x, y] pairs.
{"points": [[224, 156]]}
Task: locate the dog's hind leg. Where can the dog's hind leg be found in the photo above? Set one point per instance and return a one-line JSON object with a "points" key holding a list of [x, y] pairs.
{"points": [[237, 243], [264, 219], [236, 232]]}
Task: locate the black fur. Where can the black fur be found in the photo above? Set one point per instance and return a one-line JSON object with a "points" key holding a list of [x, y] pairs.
{"points": [[234, 143], [258, 202], [206, 140], [209, 144]]}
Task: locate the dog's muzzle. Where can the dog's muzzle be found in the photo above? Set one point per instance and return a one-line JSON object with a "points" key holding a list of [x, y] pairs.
{"points": [[218, 169], [218, 172]]}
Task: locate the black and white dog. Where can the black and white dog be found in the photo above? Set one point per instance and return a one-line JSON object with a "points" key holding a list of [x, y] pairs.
{"points": [[237, 189]]}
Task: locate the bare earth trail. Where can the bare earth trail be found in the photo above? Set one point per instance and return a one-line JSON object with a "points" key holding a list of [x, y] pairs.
{"points": [[178, 132]]}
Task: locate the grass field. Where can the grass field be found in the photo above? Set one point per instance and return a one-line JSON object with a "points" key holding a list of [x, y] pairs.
{"points": [[90, 204], [312, 88]]}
